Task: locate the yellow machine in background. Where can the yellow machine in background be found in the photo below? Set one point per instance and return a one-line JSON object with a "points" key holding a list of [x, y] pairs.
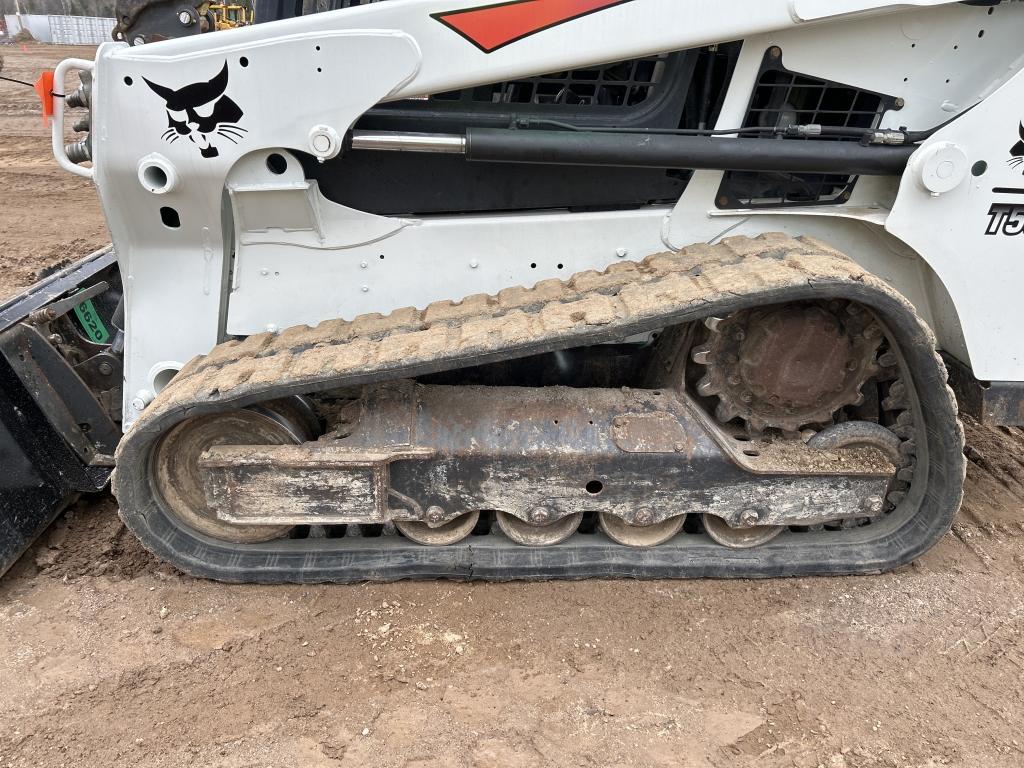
{"points": [[231, 16]]}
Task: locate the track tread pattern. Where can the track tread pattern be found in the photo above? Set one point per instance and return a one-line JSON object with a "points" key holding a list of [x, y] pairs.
{"points": [[514, 321]]}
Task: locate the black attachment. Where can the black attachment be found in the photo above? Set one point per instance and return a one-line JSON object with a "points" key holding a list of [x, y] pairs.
{"points": [[56, 436], [993, 403]]}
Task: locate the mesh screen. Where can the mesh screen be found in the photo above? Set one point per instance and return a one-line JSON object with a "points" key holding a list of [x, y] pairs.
{"points": [[783, 98]]}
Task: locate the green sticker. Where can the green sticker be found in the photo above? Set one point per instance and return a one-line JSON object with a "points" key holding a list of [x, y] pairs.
{"points": [[91, 323]]}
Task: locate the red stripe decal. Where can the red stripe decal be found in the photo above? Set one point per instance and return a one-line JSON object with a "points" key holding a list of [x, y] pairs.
{"points": [[495, 26]]}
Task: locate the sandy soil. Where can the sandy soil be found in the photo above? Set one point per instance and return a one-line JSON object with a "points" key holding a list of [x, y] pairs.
{"points": [[108, 658], [47, 217]]}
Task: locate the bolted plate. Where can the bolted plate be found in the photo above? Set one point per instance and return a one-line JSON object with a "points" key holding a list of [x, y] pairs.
{"points": [[658, 432]]}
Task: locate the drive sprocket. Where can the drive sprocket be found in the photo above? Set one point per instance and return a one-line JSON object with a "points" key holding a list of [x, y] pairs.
{"points": [[790, 366]]}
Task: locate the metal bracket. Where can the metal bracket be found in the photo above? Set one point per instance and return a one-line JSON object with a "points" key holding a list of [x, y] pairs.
{"points": [[993, 403], [302, 484]]}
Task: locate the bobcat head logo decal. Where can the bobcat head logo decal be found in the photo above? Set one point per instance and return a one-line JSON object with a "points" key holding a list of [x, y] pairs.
{"points": [[202, 112], [1017, 152]]}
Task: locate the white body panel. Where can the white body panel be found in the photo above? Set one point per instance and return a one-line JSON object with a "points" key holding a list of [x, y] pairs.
{"points": [[299, 258]]}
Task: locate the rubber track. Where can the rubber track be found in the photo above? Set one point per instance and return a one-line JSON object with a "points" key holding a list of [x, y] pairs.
{"points": [[589, 308]]}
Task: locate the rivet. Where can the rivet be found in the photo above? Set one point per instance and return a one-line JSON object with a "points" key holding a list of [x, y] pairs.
{"points": [[473, 264], [365, 289]]}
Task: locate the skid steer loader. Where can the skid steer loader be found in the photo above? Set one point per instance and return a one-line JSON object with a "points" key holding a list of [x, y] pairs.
{"points": [[555, 288]]}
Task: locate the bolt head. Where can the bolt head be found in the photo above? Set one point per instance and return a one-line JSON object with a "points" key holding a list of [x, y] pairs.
{"points": [[540, 516], [750, 518], [643, 517], [873, 504], [622, 252], [185, 18], [435, 515], [106, 369]]}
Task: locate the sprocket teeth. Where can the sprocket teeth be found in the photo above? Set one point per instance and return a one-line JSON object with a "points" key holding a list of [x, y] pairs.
{"points": [[908, 450], [894, 403], [707, 387], [888, 359], [756, 425], [725, 412], [701, 355], [722, 355], [821, 417]]}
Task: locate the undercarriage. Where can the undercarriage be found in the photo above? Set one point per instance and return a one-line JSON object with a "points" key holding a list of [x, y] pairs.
{"points": [[370, 449]]}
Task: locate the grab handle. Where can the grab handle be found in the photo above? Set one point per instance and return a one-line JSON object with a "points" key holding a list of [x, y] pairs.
{"points": [[57, 121]]}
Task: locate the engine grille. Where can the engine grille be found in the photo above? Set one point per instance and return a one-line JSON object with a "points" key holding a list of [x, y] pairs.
{"points": [[784, 98], [622, 84]]}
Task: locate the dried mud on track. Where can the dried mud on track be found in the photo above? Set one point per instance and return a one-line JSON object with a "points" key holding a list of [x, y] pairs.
{"points": [[108, 658]]}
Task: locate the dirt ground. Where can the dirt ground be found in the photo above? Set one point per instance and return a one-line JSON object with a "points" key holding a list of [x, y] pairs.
{"points": [[108, 658]]}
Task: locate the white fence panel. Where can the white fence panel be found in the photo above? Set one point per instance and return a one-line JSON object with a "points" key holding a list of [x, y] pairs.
{"points": [[80, 30]]}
